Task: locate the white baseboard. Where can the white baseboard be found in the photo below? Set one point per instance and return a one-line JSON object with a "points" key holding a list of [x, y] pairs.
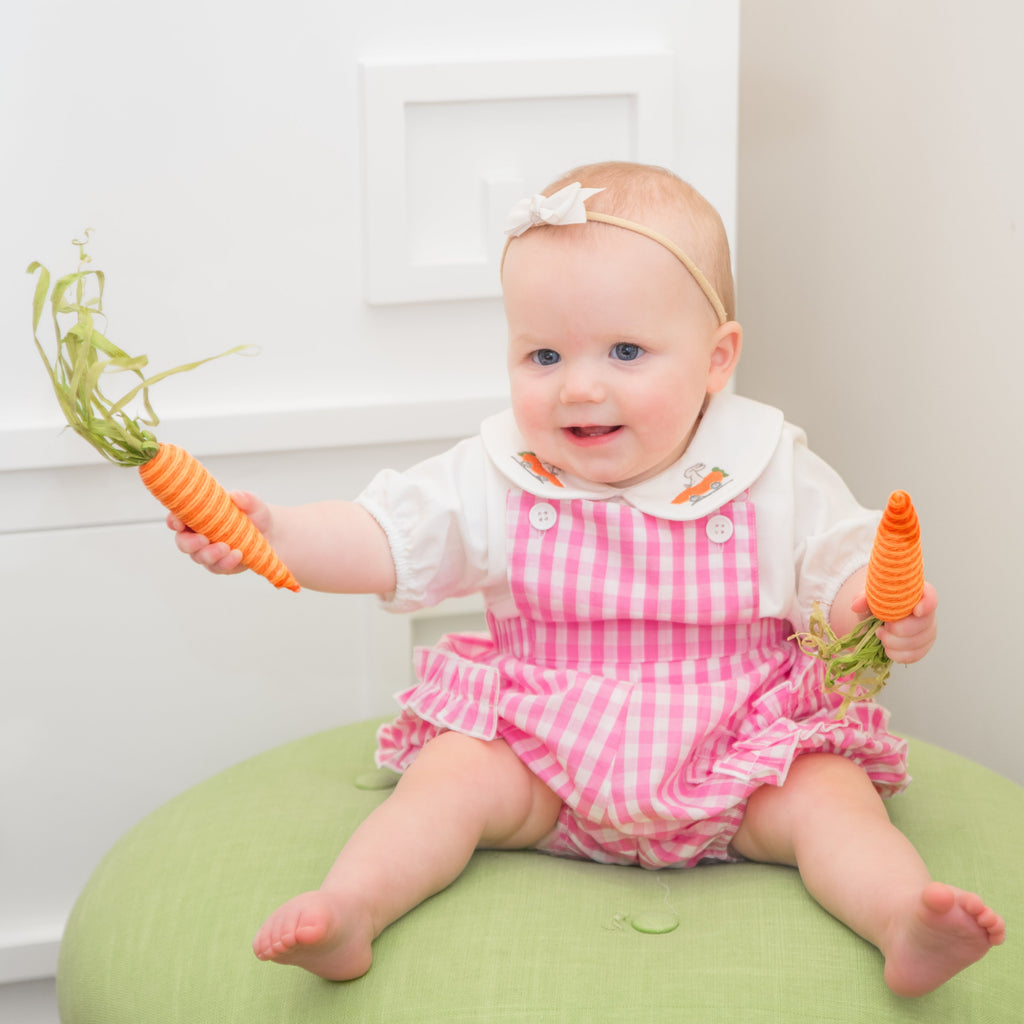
{"points": [[25, 961]]}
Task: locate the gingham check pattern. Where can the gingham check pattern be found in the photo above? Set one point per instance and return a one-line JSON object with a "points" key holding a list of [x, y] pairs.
{"points": [[639, 683]]}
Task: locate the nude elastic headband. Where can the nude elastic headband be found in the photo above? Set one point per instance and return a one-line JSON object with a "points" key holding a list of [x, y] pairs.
{"points": [[566, 207]]}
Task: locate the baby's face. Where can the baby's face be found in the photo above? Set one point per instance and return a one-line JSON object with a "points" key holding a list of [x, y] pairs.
{"points": [[612, 352]]}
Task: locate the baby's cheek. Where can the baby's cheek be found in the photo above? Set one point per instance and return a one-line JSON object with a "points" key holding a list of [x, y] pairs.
{"points": [[532, 421]]}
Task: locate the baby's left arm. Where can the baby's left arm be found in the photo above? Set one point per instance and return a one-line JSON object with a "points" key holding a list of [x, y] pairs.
{"points": [[905, 640]]}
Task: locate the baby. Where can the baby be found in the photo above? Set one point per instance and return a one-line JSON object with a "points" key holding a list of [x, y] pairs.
{"points": [[646, 543]]}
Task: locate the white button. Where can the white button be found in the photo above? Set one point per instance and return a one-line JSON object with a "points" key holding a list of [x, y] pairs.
{"points": [[719, 529], [543, 516]]}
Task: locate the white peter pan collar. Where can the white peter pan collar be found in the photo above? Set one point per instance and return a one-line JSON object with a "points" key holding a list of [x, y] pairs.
{"points": [[730, 450]]}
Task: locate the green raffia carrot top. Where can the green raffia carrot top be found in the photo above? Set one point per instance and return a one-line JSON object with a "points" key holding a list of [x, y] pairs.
{"points": [[857, 666], [84, 359]]}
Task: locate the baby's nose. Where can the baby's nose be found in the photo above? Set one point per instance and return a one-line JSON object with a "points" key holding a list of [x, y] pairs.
{"points": [[582, 385]]}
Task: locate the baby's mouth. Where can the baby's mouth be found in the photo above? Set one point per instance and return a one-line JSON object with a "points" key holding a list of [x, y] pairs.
{"points": [[592, 431]]}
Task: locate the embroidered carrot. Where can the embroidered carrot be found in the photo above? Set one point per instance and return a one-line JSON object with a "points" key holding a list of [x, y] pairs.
{"points": [[698, 490], [857, 665], [530, 462], [175, 478]]}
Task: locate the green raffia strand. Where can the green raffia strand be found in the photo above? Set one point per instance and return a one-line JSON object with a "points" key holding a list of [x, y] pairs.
{"points": [[857, 666], [84, 355]]}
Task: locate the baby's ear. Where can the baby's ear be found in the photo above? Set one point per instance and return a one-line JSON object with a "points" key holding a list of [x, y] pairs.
{"points": [[725, 354]]}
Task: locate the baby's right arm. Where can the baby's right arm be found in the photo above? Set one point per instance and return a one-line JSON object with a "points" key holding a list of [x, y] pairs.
{"points": [[333, 546]]}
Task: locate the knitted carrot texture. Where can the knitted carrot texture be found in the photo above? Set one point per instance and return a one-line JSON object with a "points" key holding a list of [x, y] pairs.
{"points": [[175, 478], [895, 582], [857, 666], [184, 486]]}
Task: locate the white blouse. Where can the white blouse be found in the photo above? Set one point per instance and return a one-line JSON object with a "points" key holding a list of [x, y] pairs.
{"points": [[445, 518]]}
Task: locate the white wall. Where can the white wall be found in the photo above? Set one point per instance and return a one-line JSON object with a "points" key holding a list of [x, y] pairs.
{"points": [[218, 149], [881, 272]]}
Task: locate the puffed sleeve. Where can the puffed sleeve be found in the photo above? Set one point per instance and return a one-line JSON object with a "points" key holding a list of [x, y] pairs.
{"points": [[812, 533], [440, 520], [833, 534]]}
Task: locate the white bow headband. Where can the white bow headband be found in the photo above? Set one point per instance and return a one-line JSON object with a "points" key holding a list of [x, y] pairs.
{"points": [[566, 207]]}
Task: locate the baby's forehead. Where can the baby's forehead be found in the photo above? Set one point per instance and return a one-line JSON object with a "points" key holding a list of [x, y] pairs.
{"points": [[649, 203], [587, 246], [629, 240], [620, 253], [595, 234], [675, 217]]}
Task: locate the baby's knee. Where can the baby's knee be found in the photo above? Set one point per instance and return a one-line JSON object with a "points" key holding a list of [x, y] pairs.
{"points": [[816, 787], [829, 780], [467, 750], [814, 770], [491, 782], [475, 763]]}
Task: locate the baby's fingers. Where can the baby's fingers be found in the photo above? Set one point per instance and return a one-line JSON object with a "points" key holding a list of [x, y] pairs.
{"points": [[909, 639], [928, 604], [190, 543], [218, 558], [907, 649], [174, 523]]}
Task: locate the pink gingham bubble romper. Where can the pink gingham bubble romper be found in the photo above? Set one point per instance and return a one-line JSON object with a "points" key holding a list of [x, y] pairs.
{"points": [[630, 663]]}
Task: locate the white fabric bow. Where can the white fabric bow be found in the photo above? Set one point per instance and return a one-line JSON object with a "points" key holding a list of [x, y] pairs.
{"points": [[564, 207]]}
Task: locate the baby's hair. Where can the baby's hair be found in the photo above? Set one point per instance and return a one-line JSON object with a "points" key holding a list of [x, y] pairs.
{"points": [[659, 199]]}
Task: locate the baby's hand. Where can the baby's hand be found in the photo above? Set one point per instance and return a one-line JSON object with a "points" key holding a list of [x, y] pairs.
{"points": [[908, 640], [219, 558]]}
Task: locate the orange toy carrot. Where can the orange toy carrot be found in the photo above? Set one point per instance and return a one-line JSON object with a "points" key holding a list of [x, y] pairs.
{"points": [[857, 665], [175, 478], [895, 582], [184, 486]]}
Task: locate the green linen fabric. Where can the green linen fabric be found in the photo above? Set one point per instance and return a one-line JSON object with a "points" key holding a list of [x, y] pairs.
{"points": [[161, 932]]}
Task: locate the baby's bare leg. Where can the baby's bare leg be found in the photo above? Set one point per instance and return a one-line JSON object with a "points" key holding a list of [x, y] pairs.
{"points": [[829, 821], [459, 794]]}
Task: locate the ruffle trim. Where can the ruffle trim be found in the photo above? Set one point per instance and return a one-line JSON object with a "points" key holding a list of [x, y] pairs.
{"points": [[458, 691], [461, 691]]}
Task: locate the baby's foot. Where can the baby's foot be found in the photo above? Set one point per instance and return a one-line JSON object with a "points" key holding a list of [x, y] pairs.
{"points": [[321, 931], [945, 932]]}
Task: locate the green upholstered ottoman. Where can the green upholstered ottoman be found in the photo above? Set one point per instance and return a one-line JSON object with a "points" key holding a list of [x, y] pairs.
{"points": [[161, 932]]}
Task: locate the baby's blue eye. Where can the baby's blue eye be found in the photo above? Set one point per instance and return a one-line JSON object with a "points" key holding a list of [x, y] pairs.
{"points": [[546, 357], [627, 351]]}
